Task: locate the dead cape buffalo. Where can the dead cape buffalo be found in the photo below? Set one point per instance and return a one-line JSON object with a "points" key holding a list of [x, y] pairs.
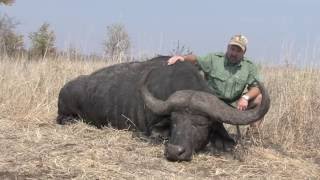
{"points": [[157, 100]]}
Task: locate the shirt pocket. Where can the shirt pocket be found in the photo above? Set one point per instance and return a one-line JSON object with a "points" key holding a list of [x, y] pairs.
{"points": [[239, 84], [219, 83]]}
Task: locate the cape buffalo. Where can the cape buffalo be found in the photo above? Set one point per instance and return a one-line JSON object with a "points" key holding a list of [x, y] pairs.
{"points": [[157, 100]]}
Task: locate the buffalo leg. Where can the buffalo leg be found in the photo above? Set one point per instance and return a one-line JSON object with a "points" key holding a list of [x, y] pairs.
{"points": [[220, 138]]}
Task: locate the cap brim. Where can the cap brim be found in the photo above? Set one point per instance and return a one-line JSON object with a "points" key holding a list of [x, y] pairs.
{"points": [[239, 45]]}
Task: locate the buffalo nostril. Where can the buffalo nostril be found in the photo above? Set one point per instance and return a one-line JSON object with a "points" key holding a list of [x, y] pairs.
{"points": [[180, 150], [174, 151]]}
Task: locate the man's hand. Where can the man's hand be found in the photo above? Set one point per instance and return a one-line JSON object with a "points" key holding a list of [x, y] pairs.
{"points": [[242, 104], [174, 59]]}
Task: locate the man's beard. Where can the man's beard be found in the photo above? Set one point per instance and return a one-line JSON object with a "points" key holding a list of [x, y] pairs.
{"points": [[234, 59]]}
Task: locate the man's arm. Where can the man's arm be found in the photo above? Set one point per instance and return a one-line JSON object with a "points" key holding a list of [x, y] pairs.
{"points": [[190, 58], [253, 92], [243, 102]]}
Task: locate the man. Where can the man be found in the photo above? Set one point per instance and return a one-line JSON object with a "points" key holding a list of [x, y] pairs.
{"points": [[229, 74]]}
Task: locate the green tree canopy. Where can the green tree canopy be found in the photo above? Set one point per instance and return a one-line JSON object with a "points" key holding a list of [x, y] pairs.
{"points": [[42, 41]]}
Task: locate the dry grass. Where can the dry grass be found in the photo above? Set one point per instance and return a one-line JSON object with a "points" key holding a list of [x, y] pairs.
{"points": [[33, 146]]}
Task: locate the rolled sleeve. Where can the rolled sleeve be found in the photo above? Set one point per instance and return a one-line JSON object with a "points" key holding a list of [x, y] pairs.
{"points": [[254, 76], [205, 62]]}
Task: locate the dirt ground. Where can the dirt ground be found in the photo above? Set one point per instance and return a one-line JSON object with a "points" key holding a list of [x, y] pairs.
{"points": [[45, 150]]}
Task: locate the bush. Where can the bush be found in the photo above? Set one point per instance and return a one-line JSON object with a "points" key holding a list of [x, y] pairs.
{"points": [[11, 43], [117, 43], [42, 41]]}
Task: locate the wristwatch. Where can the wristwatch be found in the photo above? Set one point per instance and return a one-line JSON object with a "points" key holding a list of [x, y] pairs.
{"points": [[246, 97]]}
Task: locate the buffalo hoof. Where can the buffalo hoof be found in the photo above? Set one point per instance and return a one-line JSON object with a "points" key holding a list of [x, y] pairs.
{"points": [[219, 144], [229, 145]]}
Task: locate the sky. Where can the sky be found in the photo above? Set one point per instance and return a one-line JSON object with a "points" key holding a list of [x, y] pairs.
{"points": [[277, 30]]}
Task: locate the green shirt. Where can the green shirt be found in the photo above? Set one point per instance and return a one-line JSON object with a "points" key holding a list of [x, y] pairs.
{"points": [[228, 80]]}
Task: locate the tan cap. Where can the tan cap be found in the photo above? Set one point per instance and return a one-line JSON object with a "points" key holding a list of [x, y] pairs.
{"points": [[239, 40]]}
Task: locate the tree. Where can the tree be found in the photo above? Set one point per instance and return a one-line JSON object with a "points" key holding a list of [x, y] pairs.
{"points": [[14, 44], [42, 41], [180, 50], [11, 43], [117, 43], [6, 2]]}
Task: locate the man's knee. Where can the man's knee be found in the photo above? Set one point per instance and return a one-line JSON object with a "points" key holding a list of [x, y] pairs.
{"points": [[255, 102], [258, 99]]}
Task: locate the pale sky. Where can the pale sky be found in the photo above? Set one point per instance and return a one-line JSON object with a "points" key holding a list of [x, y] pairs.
{"points": [[275, 28]]}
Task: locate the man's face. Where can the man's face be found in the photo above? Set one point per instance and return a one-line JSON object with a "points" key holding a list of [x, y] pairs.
{"points": [[234, 53]]}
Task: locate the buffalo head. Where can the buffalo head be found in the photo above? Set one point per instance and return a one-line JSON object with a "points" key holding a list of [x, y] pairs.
{"points": [[194, 115]]}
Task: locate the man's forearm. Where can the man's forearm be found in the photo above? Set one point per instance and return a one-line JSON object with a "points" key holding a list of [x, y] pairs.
{"points": [[190, 58], [253, 92]]}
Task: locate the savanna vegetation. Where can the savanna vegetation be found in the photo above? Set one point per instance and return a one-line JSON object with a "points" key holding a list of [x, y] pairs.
{"points": [[33, 146]]}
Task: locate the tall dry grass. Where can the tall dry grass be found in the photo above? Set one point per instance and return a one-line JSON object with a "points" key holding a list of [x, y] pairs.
{"points": [[29, 89], [33, 146], [294, 118]]}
